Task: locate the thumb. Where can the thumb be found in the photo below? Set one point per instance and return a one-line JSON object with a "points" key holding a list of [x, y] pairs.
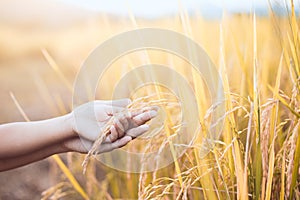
{"points": [[105, 147]]}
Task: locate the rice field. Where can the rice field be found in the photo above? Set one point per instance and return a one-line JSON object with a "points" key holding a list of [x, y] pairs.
{"points": [[257, 154]]}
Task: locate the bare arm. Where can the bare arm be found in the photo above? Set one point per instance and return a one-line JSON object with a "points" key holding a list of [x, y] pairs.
{"points": [[26, 142], [18, 161], [21, 138]]}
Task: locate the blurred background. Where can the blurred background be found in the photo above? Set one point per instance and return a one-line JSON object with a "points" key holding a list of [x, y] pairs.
{"points": [[69, 30]]}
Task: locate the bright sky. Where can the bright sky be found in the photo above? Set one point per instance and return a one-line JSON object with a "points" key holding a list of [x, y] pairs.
{"points": [[154, 8]]}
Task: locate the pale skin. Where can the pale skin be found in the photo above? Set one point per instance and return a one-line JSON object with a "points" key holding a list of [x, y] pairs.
{"points": [[22, 143]]}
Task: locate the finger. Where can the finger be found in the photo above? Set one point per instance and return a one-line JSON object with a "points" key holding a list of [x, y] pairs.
{"points": [[117, 144], [78, 145], [124, 120], [113, 136], [119, 127], [149, 108], [145, 109], [144, 117], [135, 132], [121, 142], [118, 103]]}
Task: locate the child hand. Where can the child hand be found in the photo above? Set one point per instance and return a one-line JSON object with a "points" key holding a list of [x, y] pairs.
{"points": [[126, 125]]}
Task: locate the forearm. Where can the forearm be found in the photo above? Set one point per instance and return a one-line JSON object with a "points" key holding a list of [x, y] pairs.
{"points": [[26, 142], [14, 162], [21, 138]]}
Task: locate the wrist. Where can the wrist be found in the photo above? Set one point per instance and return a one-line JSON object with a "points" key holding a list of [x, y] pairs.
{"points": [[68, 125]]}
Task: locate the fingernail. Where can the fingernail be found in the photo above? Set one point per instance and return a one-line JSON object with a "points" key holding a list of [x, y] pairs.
{"points": [[145, 109], [129, 114], [128, 138], [111, 127], [152, 113], [145, 127], [128, 101], [156, 108]]}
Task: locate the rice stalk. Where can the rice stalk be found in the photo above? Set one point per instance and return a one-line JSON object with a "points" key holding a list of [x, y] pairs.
{"points": [[205, 181], [257, 114], [291, 171], [283, 168], [146, 57], [295, 32], [272, 132], [264, 137], [49, 192], [57, 69]]}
